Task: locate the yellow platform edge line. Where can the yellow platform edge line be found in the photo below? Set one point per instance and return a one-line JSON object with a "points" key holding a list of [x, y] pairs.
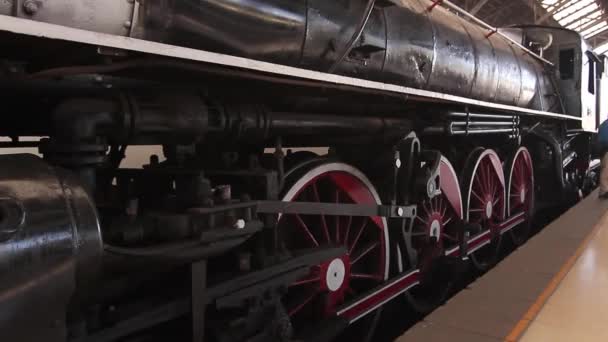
{"points": [[523, 324]]}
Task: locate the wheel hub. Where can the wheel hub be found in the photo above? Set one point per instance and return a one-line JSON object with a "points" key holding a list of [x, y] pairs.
{"points": [[489, 209], [522, 195], [335, 275], [435, 230]]}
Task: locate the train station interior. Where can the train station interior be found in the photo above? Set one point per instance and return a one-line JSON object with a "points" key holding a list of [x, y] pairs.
{"points": [[304, 170]]}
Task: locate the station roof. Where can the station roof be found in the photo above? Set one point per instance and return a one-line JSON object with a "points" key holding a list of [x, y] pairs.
{"points": [[589, 17]]}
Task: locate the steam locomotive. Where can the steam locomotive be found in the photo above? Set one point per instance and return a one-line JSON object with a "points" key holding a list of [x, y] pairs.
{"points": [[319, 159]]}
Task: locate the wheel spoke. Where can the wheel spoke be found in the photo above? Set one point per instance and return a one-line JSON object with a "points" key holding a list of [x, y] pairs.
{"points": [[483, 177], [304, 227], [337, 200], [477, 196], [315, 192], [426, 210], [365, 251], [489, 181], [338, 229], [480, 186], [489, 177], [306, 281], [347, 233], [366, 276], [354, 244], [449, 237], [302, 303], [495, 189]]}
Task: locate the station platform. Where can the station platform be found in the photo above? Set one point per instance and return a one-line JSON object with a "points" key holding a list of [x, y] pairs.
{"points": [[553, 288]]}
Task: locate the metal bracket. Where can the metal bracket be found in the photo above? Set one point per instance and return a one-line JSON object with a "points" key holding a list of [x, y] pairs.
{"points": [[432, 181], [198, 299]]}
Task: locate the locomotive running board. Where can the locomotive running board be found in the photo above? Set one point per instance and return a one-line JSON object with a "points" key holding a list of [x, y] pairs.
{"points": [[377, 297], [484, 238]]}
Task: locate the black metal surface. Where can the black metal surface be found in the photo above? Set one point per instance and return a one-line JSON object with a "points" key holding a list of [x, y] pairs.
{"points": [[198, 273], [52, 252], [229, 292], [403, 43], [84, 126]]}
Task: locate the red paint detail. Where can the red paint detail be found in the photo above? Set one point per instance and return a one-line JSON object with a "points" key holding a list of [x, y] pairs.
{"points": [[497, 164], [484, 237], [450, 188], [479, 240], [512, 222], [491, 33], [433, 5], [381, 295], [356, 191]]}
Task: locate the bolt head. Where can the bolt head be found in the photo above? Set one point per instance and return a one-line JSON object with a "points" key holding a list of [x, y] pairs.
{"points": [[431, 188], [239, 224], [400, 212], [30, 7], [398, 163]]}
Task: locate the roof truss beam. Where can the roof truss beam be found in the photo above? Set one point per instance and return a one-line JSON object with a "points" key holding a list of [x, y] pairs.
{"points": [[478, 6], [579, 17], [549, 14], [584, 26]]}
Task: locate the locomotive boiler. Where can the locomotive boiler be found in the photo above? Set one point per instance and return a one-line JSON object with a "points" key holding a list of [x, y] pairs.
{"points": [[312, 161], [396, 42]]}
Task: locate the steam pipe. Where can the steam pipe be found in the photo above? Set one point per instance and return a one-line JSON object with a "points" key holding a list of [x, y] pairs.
{"points": [[188, 119], [480, 116]]}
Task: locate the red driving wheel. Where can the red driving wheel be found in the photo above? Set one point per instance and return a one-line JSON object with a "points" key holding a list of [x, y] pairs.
{"points": [[364, 265], [435, 234], [484, 202], [520, 195]]}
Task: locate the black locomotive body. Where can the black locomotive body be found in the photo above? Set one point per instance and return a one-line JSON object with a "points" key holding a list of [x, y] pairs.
{"points": [[313, 161]]}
